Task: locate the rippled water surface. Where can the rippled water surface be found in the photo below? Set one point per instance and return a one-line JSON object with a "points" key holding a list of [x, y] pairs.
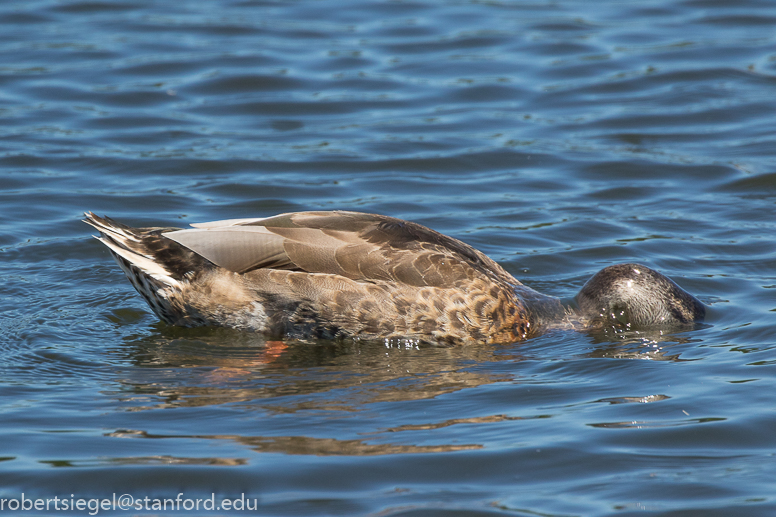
{"points": [[557, 137]]}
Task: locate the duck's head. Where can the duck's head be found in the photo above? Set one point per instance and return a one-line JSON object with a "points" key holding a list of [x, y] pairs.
{"points": [[636, 296]]}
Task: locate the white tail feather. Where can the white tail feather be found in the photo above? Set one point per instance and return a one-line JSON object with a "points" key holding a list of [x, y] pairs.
{"points": [[147, 265]]}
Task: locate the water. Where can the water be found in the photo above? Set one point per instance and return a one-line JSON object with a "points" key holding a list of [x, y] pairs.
{"points": [[557, 137]]}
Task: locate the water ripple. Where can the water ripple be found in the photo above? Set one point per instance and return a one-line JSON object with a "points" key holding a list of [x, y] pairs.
{"points": [[555, 137]]}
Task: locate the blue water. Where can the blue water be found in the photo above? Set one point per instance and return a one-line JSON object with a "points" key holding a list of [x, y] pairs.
{"points": [[557, 137]]}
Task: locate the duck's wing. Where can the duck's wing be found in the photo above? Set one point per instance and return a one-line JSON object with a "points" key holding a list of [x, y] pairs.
{"points": [[364, 247]]}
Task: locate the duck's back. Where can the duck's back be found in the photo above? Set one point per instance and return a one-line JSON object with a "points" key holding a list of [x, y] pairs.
{"points": [[362, 247]]}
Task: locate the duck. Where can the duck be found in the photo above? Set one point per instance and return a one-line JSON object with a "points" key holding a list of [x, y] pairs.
{"points": [[342, 274]]}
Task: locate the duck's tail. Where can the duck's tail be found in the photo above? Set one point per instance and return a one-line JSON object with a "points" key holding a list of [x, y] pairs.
{"points": [[131, 249], [144, 256]]}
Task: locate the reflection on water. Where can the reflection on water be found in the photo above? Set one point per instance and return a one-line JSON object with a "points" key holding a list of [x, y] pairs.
{"points": [[215, 369], [146, 460], [221, 366], [190, 368], [654, 345], [306, 445]]}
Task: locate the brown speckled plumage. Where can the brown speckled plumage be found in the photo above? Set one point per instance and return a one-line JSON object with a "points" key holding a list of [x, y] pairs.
{"points": [[327, 275], [323, 274]]}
